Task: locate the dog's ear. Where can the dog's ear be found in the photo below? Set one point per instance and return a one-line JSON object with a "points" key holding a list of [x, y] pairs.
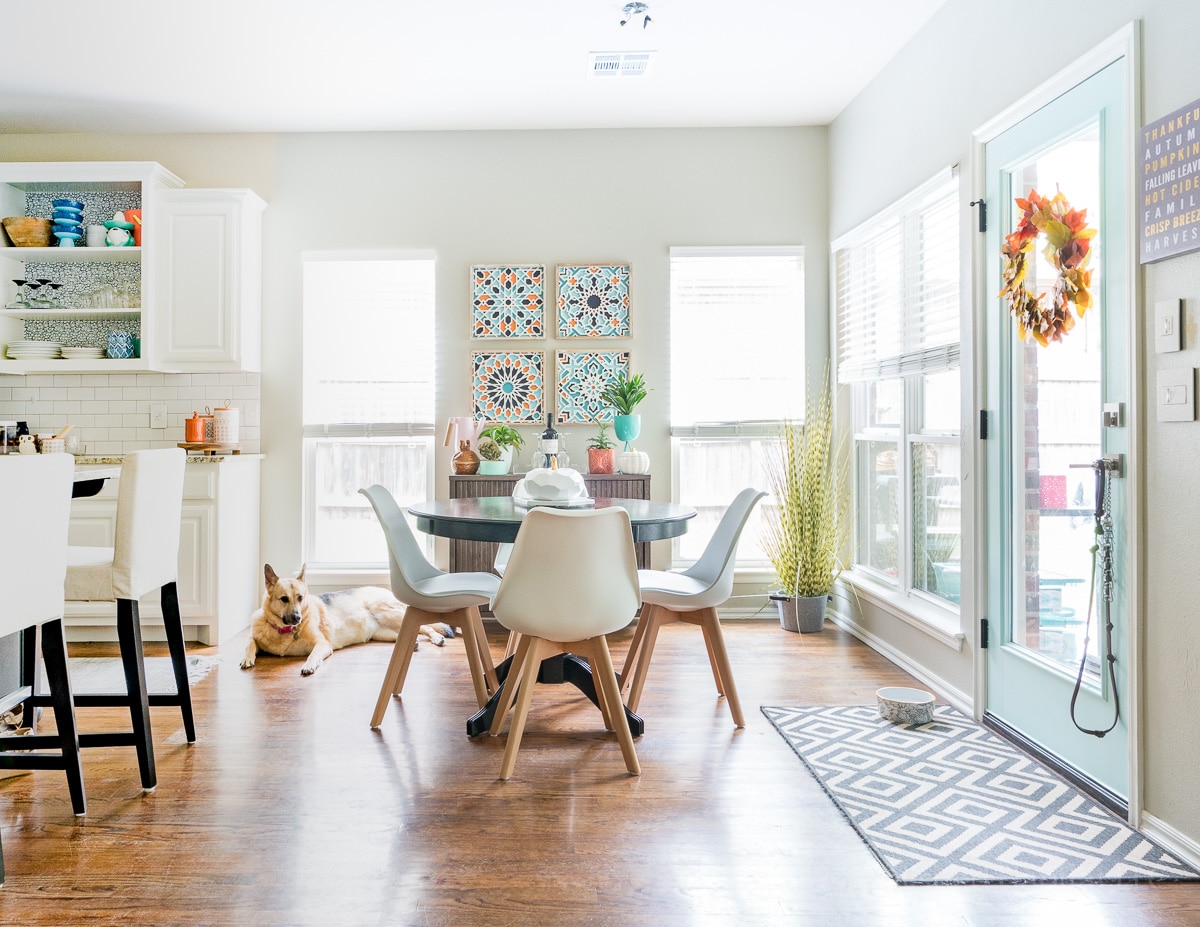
{"points": [[300, 575], [270, 575]]}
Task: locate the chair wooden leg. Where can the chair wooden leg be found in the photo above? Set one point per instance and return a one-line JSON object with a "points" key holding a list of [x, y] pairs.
{"points": [[511, 684], [54, 655], [173, 622], [606, 687], [720, 660], [397, 669], [529, 673], [479, 655], [635, 648], [510, 646], [658, 617], [129, 632]]}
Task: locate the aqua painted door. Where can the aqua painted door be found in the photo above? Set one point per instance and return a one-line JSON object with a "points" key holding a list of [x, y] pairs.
{"points": [[1044, 407]]}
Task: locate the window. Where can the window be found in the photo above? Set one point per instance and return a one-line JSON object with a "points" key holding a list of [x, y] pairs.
{"points": [[737, 370], [897, 299], [368, 398]]}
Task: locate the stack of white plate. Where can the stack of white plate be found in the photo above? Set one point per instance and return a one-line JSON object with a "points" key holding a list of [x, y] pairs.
{"points": [[34, 350], [83, 353]]}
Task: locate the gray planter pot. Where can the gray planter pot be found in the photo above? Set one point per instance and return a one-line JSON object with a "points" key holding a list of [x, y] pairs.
{"points": [[805, 614]]}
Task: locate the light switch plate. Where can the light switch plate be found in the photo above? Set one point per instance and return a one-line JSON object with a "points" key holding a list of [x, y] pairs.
{"points": [[1167, 337], [1176, 395]]}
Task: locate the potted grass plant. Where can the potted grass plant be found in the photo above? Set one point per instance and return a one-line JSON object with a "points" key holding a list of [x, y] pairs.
{"points": [[624, 393], [808, 526], [600, 452]]}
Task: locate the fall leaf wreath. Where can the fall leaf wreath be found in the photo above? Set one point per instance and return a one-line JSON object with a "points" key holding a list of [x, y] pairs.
{"points": [[1068, 248]]}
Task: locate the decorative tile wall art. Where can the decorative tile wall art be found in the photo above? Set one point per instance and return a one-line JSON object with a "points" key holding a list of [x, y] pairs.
{"points": [[581, 377], [508, 301], [593, 300], [508, 386]]}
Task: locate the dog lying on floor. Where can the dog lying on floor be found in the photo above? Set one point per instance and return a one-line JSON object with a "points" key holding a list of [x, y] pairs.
{"points": [[293, 623]]}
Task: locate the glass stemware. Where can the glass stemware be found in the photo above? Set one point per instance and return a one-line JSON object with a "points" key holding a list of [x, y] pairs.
{"points": [[19, 301], [31, 299], [55, 300]]}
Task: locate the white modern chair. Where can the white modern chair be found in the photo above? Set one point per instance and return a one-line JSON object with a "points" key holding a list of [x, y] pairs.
{"points": [[692, 596], [35, 497], [571, 579], [144, 558], [430, 596]]}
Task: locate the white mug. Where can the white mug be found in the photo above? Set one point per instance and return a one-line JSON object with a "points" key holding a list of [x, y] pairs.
{"points": [[95, 236]]}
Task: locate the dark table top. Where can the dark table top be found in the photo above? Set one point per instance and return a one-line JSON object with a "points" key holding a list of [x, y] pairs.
{"points": [[497, 518]]}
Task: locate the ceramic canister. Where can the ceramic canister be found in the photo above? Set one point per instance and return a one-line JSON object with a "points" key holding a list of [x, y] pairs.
{"points": [[225, 425], [119, 345]]}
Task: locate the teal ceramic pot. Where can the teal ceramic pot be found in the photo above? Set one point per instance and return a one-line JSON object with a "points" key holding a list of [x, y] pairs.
{"points": [[627, 427]]}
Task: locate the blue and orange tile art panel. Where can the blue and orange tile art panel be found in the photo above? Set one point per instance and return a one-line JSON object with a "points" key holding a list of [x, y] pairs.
{"points": [[592, 301], [581, 378], [508, 301], [508, 387]]}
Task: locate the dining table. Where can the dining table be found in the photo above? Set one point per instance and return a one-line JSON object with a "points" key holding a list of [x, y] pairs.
{"points": [[498, 519]]}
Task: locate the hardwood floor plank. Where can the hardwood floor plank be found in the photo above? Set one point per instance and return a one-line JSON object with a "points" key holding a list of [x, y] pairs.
{"points": [[290, 811]]}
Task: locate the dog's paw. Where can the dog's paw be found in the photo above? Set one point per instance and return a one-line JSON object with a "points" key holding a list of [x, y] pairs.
{"points": [[247, 663], [307, 670]]}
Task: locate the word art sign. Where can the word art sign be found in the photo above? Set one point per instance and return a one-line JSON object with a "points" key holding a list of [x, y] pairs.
{"points": [[1169, 202]]}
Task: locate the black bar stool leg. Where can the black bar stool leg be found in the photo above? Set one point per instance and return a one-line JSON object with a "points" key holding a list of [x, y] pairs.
{"points": [[173, 622], [129, 632], [31, 673], [54, 655]]}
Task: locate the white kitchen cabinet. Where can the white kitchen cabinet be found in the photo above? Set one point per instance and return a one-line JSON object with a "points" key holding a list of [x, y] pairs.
{"points": [[209, 276], [220, 578]]}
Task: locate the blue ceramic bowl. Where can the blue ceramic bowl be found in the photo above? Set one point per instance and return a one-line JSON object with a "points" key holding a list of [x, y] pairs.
{"points": [[66, 225], [67, 204]]}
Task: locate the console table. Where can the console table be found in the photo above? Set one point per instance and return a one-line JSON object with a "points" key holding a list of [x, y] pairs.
{"points": [[478, 556]]}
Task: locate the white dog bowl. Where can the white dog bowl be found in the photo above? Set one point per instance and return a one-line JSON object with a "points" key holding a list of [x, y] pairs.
{"points": [[902, 705]]}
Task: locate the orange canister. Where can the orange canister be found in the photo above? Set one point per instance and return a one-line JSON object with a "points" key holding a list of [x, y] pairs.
{"points": [[194, 429]]}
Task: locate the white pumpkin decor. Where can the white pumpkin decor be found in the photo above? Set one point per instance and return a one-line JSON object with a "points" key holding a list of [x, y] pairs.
{"points": [[632, 461]]}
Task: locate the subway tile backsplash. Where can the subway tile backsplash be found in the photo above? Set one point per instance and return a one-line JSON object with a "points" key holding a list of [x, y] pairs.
{"points": [[111, 412]]}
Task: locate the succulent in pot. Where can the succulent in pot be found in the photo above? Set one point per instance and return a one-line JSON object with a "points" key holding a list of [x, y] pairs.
{"points": [[600, 452], [490, 458], [508, 439]]}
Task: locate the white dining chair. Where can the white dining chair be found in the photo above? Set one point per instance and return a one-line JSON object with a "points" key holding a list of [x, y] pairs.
{"points": [[692, 596], [35, 497], [430, 596], [144, 558], [571, 579]]}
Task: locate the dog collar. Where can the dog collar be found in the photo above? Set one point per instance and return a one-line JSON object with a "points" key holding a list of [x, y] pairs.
{"points": [[294, 629]]}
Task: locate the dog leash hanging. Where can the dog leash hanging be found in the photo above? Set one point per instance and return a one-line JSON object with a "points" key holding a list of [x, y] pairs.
{"points": [[1102, 561]]}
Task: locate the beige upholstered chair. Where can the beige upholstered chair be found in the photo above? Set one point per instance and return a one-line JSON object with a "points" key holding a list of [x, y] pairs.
{"points": [[144, 558], [571, 579], [35, 497], [430, 596], [692, 596]]}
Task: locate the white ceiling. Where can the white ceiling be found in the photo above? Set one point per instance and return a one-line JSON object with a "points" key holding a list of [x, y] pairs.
{"points": [[347, 65]]}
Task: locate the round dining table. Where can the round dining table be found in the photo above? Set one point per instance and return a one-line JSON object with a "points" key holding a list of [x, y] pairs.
{"points": [[498, 519]]}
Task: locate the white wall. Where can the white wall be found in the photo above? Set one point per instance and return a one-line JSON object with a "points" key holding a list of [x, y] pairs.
{"points": [[969, 63]]}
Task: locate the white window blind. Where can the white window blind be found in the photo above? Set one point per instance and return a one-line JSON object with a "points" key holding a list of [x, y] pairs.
{"points": [[369, 344], [897, 286], [737, 339]]}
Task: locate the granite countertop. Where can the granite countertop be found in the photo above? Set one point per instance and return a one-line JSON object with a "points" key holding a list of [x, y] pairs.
{"points": [[87, 460]]}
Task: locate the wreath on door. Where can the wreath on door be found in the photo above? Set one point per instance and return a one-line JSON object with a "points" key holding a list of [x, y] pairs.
{"points": [[1068, 248]]}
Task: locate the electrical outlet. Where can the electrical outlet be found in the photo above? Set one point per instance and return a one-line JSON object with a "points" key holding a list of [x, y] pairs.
{"points": [[158, 416]]}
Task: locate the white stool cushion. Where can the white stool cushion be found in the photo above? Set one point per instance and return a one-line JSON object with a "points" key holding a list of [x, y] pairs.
{"points": [[89, 574]]}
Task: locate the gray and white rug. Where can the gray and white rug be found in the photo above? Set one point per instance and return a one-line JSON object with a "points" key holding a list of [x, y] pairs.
{"points": [[950, 802]]}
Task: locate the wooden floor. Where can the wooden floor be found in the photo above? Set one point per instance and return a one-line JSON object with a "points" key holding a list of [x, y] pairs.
{"points": [[290, 811]]}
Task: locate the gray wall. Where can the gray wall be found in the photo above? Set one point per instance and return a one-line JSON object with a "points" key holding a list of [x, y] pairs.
{"points": [[969, 63]]}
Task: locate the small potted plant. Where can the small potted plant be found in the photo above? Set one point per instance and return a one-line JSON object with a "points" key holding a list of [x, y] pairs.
{"points": [[600, 452], [508, 439], [624, 394], [490, 463], [808, 525]]}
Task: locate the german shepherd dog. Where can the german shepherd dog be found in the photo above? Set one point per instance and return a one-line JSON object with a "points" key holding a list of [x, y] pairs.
{"points": [[292, 623]]}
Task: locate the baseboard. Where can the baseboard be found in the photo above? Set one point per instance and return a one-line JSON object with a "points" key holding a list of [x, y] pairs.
{"points": [[1170, 839], [953, 695]]}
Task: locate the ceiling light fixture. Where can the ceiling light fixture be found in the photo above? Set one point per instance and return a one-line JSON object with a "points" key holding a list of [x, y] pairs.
{"points": [[630, 10]]}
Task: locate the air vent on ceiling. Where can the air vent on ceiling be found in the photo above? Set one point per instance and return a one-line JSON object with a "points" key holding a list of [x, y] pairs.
{"points": [[620, 64]]}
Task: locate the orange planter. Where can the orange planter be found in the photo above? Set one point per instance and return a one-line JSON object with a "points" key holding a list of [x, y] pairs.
{"points": [[600, 460], [135, 216]]}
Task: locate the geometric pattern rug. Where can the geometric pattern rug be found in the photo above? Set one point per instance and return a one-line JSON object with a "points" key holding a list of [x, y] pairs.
{"points": [[949, 802]]}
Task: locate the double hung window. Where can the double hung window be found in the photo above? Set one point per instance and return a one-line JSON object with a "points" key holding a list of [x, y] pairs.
{"points": [[737, 371], [368, 401], [897, 280]]}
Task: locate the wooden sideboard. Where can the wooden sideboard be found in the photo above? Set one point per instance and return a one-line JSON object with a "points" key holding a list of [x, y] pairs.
{"points": [[478, 556]]}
